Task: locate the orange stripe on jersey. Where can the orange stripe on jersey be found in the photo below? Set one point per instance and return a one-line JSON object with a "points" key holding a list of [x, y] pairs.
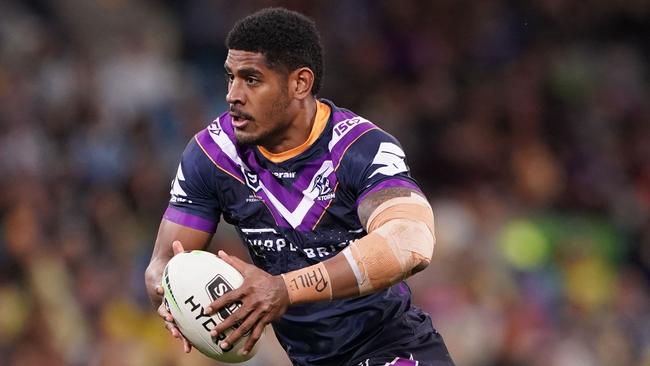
{"points": [[323, 112]]}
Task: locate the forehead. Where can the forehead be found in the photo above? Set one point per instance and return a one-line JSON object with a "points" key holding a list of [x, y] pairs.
{"points": [[238, 59]]}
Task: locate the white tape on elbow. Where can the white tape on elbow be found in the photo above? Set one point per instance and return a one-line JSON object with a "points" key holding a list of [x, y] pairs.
{"points": [[411, 242]]}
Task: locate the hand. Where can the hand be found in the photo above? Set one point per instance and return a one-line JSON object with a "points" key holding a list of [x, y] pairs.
{"points": [[163, 310], [264, 298]]}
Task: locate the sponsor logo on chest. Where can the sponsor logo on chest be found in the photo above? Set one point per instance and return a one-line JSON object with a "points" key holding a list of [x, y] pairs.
{"points": [[285, 175]]}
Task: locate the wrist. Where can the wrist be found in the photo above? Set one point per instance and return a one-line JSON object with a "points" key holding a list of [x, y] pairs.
{"points": [[283, 290], [309, 284], [153, 285]]}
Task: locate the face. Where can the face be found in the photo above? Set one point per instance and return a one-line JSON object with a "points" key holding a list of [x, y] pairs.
{"points": [[258, 98]]}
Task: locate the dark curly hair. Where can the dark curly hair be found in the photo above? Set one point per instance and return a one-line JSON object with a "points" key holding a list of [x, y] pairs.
{"points": [[286, 38]]}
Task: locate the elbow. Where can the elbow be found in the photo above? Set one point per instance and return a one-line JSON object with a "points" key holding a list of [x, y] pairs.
{"points": [[422, 259], [411, 242]]}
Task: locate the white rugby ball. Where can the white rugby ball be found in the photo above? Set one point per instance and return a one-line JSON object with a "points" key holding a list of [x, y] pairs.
{"points": [[192, 280]]}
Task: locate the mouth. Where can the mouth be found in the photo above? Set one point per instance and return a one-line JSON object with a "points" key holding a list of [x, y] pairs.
{"points": [[240, 121]]}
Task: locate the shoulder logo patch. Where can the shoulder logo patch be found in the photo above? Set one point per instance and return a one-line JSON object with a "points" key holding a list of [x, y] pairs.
{"points": [[390, 157]]}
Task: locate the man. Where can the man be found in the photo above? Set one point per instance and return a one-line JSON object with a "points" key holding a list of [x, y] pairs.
{"points": [[321, 197]]}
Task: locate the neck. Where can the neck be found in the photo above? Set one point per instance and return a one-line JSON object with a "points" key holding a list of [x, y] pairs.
{"points": [[299, 127]]}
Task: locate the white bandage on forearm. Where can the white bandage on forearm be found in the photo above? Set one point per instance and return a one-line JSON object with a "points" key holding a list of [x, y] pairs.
{"points": [[400, 240]]}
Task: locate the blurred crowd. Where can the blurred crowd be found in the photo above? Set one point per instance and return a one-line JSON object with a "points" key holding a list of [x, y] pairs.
{"points": [[528, 127]]}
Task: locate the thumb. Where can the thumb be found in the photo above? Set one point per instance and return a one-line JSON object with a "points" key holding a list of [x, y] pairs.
{"points": [[177, 247]]}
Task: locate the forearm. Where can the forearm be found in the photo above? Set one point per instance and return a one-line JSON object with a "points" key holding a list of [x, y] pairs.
{"points": [[169, 232], [400, 242]]}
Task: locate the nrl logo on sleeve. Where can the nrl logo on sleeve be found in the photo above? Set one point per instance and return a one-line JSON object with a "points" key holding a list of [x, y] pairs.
{"points": [[390, 157]]}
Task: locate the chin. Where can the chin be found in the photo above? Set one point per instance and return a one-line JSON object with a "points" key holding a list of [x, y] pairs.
{"points": [[244, 138]]}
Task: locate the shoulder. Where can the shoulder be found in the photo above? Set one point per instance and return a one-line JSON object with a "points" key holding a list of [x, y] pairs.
{"points": [[218, 135], [373, 146], [358, 143], [348, 129], [353, 132], [366, 157], [205, 150]]}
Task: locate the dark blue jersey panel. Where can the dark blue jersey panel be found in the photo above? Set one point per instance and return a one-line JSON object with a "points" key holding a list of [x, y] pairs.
{"points": [[195, 201]]}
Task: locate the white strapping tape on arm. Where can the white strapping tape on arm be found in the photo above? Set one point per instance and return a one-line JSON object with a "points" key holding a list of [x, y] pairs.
{"points": [[400, 241]]}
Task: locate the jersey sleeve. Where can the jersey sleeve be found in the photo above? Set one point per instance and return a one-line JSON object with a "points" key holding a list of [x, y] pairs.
{"points": [[376, 161], [194, 200]]}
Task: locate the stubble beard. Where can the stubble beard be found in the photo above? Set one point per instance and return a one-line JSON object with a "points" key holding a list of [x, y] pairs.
{"points": [[271, 136]]}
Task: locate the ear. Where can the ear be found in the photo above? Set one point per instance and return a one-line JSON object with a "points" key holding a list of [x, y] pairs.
{"points": [[301, 81]]}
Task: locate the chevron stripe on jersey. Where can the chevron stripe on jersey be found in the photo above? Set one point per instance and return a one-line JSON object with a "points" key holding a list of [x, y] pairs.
{"points": [[296, 206]]}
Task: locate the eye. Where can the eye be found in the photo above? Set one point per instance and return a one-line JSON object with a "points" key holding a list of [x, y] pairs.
{"points": [[251, 81], [229, 77]]}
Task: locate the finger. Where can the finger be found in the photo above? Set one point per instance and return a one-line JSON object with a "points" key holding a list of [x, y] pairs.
{"points": [[254, 337], [160, 291], [226, 299], [239, 264], [171, 327], [238, 316], [187, 346], [177, 247], [164, 313], [236, 334]]}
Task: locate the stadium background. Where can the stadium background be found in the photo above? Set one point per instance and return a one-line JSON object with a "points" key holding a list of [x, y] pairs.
{"points": [[527, 125]]}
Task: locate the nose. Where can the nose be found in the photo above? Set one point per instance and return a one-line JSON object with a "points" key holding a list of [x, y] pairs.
{"points": [[236, 93]]}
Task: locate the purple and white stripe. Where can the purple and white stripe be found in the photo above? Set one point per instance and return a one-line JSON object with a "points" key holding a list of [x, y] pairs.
{"points": [[296, 206]]}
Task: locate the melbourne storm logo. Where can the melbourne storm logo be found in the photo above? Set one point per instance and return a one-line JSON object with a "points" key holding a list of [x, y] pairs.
{"points": [[323, 187]]}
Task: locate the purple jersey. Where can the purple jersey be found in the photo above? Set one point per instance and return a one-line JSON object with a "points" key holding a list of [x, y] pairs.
{"points": [[297, 213]]}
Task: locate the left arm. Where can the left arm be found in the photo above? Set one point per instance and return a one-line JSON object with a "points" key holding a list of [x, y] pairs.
{"points": [[400, 242]]}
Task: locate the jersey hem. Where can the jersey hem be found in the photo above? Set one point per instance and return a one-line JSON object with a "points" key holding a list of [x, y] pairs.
{"points": [[192, 221], [388, 183]]}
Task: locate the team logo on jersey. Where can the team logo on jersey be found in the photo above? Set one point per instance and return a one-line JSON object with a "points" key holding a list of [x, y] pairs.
{"points": [[390, 157], [252, 180], [177, 192], [323, 187]]}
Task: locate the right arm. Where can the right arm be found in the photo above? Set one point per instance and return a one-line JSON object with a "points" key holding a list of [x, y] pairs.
{"points": [[188, 224], [168, 244], [168, 233]]}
